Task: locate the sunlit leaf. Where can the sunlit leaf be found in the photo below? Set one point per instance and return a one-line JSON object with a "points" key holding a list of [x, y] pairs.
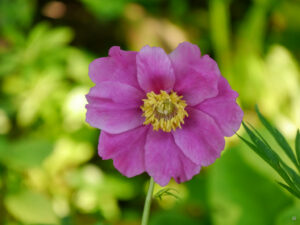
{"points": [[44, 40], [25, 153], [31, 207]]}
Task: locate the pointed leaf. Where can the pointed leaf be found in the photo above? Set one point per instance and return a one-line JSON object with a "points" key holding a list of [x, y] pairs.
{"points": [[280, 139], [293, 175], [297, 145], [267, 154], [258, 134], [260, 153], [166, 191], [254, 148], [289, 189]]}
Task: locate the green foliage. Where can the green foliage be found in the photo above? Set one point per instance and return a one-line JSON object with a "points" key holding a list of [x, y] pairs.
{"points": [[260, 146], [15, 17], [105, 10], [31, 208], [25, 154]]}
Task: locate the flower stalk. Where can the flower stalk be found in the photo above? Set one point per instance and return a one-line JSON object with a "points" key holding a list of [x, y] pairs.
{"points": [[147, 205]]}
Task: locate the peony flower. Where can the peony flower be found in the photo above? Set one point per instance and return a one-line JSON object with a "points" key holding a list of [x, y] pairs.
{"points": [[166, 115]]}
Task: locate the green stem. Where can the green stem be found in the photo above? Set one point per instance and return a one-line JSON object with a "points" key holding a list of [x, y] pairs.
{"points": [[147, 205]]}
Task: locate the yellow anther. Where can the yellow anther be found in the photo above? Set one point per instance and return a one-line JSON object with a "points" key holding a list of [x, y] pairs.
{"points": [[164, 111]]}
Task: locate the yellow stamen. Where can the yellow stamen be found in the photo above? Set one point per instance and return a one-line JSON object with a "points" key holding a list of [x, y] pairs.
{"points": [[164, 111]]}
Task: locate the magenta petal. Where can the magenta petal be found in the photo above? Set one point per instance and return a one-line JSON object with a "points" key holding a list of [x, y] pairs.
{"points": [[117, 92], [165, 160], [196, 77], [114, 122], [114, 107], [154, 70], [200, 138], [223, 109], [126, 150], [185, 53], [118, 66]]}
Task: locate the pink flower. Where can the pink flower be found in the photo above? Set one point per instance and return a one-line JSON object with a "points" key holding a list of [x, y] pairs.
{"points": [[166, 115]]}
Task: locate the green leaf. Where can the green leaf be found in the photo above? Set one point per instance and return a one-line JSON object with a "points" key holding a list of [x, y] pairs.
{"points": [[293, 192], [30, 207], [255, 149], [24, 153], [259, 135], [105, 10], [262, 149], [266, 153], [167, 192], [280, 139], [297, 145], [293, 175]]}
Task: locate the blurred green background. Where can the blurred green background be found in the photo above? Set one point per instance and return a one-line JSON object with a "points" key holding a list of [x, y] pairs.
{"points": [[49, 169]]}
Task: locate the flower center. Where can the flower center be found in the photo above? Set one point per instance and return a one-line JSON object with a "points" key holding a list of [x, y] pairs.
{"points": [[164, 111]]}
